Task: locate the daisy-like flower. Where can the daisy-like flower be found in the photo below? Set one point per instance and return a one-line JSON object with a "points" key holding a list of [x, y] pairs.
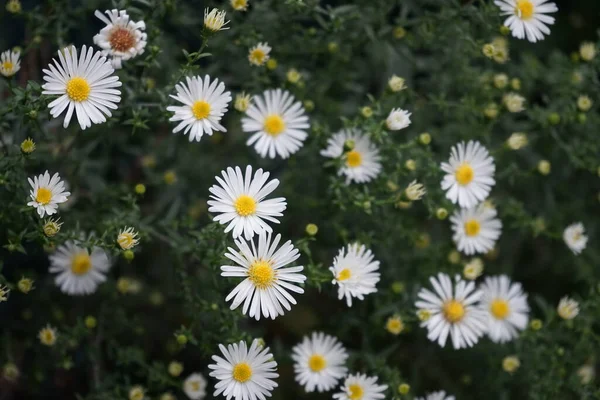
{"points": [[278, 123], [214, 20], [476, 229], [355, 272], [203, 105], [10, 63], [398, 119], [469, 174], [453, 310], [265, 288], [506, 307], [127, 238], [527, 18], [567, 308], [47, 335], [244, 374], [121, 39], [240, 201], [319, 362], [79, 272], [194, 386], [86, 86], [575, 238], [46, 193], [440, 395], [259, 54], [361, 387], [362, 163]]}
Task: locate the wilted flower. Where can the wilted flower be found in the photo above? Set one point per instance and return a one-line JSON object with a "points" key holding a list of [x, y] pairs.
{"points": [[415, 191], [214, 20], [517, 141], [396, 83], [567, 308]]}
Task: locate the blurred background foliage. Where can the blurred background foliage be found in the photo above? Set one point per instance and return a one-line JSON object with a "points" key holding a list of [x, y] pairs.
{"points": [[345, 52]]}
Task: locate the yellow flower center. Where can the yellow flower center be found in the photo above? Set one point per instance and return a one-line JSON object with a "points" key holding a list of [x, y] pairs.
{"points": [[500, 308], [245, 205], [317, 362], [356, 392], [7, 66], [242, 372], [344, 274], [274, 125], [78, 89], [464, 174], [257, 56], [394, 325], [201, 109], [472, 227], [353, 159], [194, 385], [125, 240], [81, 263], [524, 9], [43, 196], [121, 39], [454, 311], [261, 274], [47, 336]]}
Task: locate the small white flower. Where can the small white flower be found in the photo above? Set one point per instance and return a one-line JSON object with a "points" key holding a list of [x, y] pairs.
{"points": [[575, 238], [214, 20], [527, 18], [86, 86], [514, 102], [567, 308], [127, 238], [506, 307], [259, 54], [121, 39], [452, 310], [355, 272], [587, 51], [469, 174], [79, 272], [47, 193], [396, 83], [476, 229], [517, 141], [362, 163], [244, 374], [265, 288], [398, 119], [278, 124], [194, 386], [319, 362], [415, 191], [441, 395], [10, 63], [361, 387], [473, 269], [239, 201], [203, 105], [242, 102]]}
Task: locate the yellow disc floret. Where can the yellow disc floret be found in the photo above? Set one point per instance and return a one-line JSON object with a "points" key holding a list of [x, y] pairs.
{"points": [[464, 174], [344, 274], [201, 109], [353, 159], [78, 89], [81, 263], [274, 125], [499, 308], [472, 227], [317, 362], [261, 274], [242, 372], [454, 311], [43, 196], [524, 9], [245, 205]]}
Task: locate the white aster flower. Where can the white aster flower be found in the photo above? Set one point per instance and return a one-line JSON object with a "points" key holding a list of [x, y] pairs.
{"points": [[476, 229], [469, 174], [319, 362], [575, 238], [279, 124], [362, 163], [240, 201], [194, 386], [441, 395], [567, 308], [473, 269], [506, 307], [361, 387], [453, 310], [121, 39], [127, 238], [259, 54], [514, 102], [47, 193], [398, 119], [86, 86], [204, 104], [265, 288], [527, 18], [244, 374], [355, 272], [10, 63], [214, 20], [79, 272]]}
